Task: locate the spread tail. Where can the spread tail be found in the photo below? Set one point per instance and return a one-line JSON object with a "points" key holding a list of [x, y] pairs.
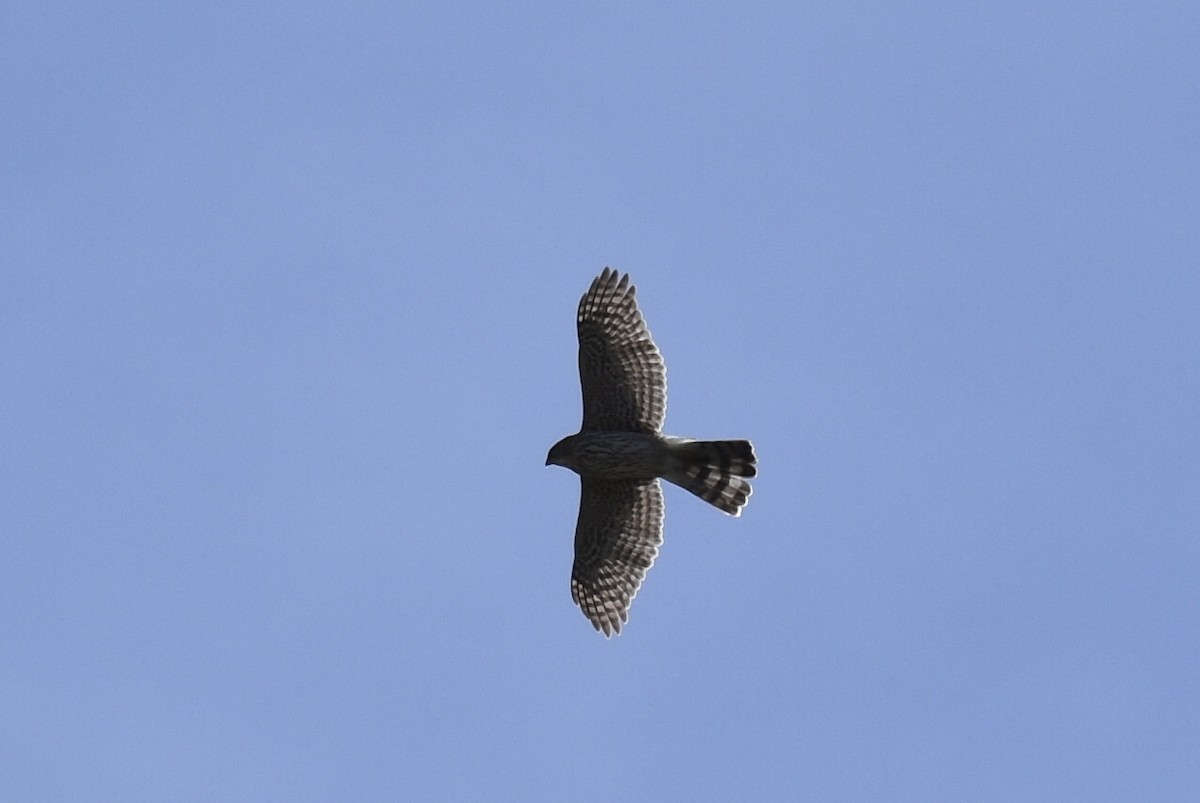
{"points": [[715, 471]]}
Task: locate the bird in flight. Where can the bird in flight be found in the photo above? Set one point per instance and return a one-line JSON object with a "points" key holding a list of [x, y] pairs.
{"points": [[620, 453]]}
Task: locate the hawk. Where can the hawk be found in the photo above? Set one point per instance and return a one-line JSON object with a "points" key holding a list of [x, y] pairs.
{"points": [[620, 453]]}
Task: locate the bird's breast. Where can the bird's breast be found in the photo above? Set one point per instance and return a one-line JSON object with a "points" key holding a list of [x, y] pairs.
{"points": [[620, 455]]}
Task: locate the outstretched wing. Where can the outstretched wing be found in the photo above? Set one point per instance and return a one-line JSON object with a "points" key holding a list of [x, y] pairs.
{"points": [[616, 541], [621, 370]]}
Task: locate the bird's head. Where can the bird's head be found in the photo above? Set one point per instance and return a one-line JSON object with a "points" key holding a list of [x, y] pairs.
{"points": [[561, 453]]}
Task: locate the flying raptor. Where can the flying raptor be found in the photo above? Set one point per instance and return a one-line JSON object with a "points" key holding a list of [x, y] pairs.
{"points": [[620, 453]]}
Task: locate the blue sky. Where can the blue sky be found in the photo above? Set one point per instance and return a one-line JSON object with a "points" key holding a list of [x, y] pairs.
{"points": [[287, 300]]}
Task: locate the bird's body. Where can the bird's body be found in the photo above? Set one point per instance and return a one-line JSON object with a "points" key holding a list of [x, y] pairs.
{"points": [[614, 455], [620, 454]]}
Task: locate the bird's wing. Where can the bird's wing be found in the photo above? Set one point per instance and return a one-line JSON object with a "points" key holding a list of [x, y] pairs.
{"points": [[621, 370], [616, 541]]}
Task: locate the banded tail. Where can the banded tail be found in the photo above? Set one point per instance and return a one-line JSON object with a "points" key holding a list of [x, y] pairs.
{"points": [[715, 471]]}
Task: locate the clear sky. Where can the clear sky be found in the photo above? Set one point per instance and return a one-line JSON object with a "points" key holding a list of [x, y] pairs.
{"points": [[287, 298]]}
